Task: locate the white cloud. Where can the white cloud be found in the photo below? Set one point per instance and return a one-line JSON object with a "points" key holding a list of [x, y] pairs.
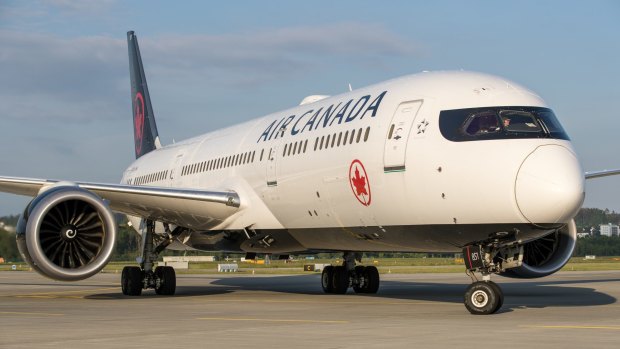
{"points": [[80, 6], [80, 79]]}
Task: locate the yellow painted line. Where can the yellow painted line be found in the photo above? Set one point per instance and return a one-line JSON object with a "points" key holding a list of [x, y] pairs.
{"points": [[53, 294], [26, 313], [576, 327], [58, 296], [78, 291], [275, 320], [361, 301]]}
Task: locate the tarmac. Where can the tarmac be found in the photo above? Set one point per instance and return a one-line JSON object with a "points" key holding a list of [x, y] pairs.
{"points": [[567, 309]]}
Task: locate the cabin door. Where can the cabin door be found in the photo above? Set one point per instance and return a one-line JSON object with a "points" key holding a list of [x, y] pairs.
{"points": [[398, 136], [272, 161], [175, 171]]}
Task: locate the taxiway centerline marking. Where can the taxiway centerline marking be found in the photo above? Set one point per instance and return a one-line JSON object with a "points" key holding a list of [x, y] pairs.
{"points": [[574, 327], [275, 320], [318, 302], [27, 313], [53, 294]]}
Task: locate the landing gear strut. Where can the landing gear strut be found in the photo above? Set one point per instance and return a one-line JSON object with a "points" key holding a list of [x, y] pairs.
{"points": [[486, 297], [162, 279], [338, 279]]}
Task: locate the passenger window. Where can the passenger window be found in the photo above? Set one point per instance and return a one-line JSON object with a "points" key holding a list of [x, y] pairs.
{"points": [[295, 148], [316, 143], [359, 136], [321, 144], [284, 151], [352, 137], [327, 141], [333, 140], [367, 133], [305, 145]]}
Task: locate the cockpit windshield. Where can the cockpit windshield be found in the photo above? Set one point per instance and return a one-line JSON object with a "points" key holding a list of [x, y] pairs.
{"points": [[499, 123]]}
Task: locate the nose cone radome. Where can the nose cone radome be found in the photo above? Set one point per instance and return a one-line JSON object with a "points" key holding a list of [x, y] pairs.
{"points": [[550, 185]]}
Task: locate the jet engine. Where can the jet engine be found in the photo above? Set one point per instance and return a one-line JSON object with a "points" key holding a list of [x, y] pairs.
{"points": [[546, 255], [66, 233]]}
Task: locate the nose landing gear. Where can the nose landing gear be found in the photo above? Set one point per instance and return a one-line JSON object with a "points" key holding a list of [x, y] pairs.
{"points": [[486, 297], [483, 298]]}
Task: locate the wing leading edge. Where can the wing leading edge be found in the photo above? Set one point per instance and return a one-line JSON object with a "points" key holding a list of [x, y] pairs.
{"points": [[599, 174], [198, 209]]}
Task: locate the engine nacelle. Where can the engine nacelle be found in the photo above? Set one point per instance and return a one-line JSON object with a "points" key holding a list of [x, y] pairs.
{"points": [[546, 255], [66, 233]]}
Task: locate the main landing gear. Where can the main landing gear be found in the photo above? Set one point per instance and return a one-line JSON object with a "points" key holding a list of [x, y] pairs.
{"points": [[162, 279], [338, 279]]}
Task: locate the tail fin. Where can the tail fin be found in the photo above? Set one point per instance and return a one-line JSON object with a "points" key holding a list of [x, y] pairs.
{"points": [[145, 133]]}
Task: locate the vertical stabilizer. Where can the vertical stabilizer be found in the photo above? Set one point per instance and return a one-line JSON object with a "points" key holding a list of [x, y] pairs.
{"points": [[145, 133]]}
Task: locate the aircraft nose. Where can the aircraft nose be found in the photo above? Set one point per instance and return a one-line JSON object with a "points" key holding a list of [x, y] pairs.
{"points": [[550, 185]]}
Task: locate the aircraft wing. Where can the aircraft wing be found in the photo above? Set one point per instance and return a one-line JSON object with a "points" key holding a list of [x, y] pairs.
{"points": [[605, 173], [200, 209]]}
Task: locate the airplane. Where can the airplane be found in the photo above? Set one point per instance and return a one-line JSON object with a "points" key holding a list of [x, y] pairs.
{"points": [[446, 161]]}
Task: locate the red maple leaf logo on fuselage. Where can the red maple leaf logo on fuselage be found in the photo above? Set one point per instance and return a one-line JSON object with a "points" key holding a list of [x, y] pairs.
{"points": [[360, 185]]}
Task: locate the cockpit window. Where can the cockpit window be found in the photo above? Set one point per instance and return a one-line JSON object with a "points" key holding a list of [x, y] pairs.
{"points": [[481, 123], [519, 121], [499, 123]]}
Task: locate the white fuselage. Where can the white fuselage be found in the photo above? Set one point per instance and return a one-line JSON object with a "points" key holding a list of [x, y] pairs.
{"points": [[409, 174]]}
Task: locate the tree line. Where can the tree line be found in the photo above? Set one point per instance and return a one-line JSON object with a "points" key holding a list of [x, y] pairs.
{"points": [[128, 241]]}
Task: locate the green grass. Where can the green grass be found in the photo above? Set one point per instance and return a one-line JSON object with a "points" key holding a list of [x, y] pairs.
{"points": [[385, 265]]}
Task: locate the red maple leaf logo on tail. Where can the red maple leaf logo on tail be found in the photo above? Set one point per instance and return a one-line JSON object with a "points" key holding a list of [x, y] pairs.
{"points": [[138, 121], [359, 183]]}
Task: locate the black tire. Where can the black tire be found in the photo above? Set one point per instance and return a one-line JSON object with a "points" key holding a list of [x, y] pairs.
{"points": [[167, 281], [360, 273], [482, 298], [327, 279], [340, 280], [372, 276], [131, 281], [499, 293]]}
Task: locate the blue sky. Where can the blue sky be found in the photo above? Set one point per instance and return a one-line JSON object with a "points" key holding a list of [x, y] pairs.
{"points": [[64, 93]]}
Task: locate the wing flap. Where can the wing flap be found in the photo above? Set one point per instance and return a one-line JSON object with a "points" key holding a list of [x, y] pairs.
{"points": [[198, 209]]}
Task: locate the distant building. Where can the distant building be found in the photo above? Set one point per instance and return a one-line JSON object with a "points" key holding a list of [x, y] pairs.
{"points": [[8, 228], [609, 230]]}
